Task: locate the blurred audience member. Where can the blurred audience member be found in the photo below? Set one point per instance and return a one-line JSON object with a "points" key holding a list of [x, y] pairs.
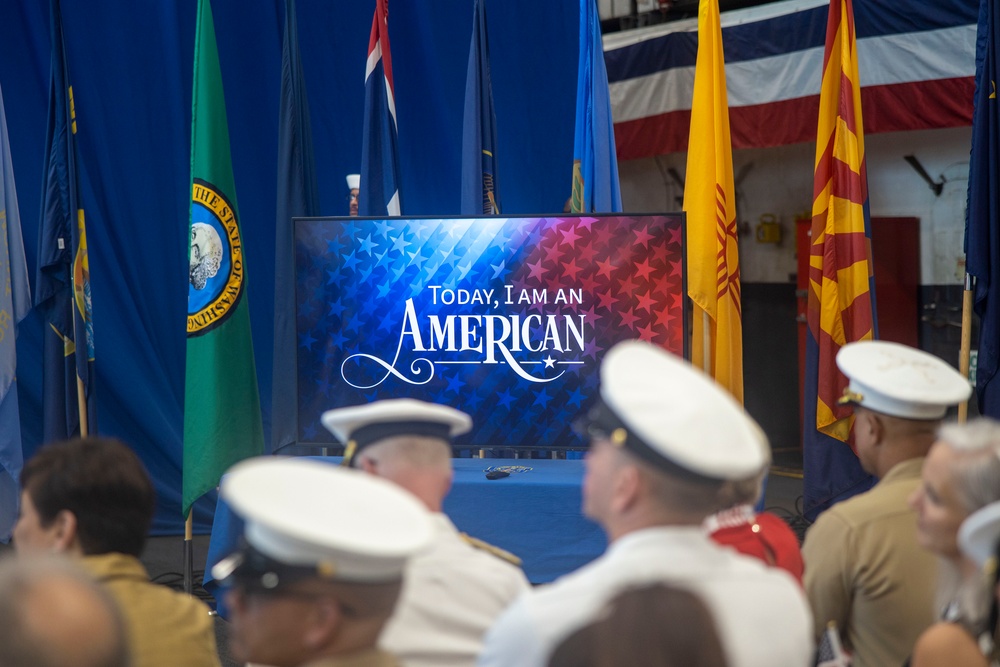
{"points": [[322, 562], [92, 499], [654, 625], [665, 438], [762, 535], [455, 589], [53, 615], [960, 476], [863, 570]]}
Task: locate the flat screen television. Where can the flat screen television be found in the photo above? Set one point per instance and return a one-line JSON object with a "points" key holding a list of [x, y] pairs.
{"points": [[506, 318]]}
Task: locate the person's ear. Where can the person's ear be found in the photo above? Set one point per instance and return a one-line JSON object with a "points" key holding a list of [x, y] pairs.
{"points": [[877, 428], [626, 485], [322, 622], [65, 532], [368, 465]]}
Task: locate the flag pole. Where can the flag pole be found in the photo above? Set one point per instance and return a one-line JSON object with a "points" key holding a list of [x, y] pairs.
{"points": [[706, 341], [81, 406], [189, 553], [966, 346]]}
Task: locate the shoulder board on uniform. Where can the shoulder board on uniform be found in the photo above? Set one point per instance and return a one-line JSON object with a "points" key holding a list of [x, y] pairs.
{"points": [[502, 554]]}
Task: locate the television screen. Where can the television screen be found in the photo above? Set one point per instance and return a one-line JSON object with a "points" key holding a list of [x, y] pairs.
{"points": [[506, 318]]}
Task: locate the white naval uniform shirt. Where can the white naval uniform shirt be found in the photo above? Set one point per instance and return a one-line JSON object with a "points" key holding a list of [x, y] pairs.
{"points": [[451, 594], [761, 614]]}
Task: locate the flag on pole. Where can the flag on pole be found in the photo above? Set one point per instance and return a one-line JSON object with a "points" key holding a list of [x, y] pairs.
{"points": [[15, 301], [297, 197], [222, 423], [595, 164], [982, 224], [479, 131], [379, 155], [62, 284], [713, 266], [841, 289]]}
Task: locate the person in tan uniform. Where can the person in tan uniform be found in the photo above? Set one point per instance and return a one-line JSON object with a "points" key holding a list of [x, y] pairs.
{"points": [[322, 564], [92, 500], [864, 570], [456, 588]]}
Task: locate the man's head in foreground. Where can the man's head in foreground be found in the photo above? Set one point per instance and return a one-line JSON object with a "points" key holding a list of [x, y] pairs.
{"points": [[53, 615], [665, 438], [323, 559]]}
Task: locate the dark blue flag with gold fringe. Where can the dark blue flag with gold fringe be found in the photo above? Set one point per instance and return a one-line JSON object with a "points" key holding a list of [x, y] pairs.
{"points": [[479, 131], [62, 292], [982, 224], [297, 197]]}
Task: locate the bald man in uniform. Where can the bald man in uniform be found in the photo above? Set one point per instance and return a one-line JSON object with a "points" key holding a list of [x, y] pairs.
{"points": [[456, 589]]}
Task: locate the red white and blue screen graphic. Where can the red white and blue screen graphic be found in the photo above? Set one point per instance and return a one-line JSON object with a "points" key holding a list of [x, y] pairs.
{"points": [[506, 319]]}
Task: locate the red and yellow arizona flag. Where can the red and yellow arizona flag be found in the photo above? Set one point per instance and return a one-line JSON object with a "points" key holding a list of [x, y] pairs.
{"points": [[712, 258], [841, 294]]}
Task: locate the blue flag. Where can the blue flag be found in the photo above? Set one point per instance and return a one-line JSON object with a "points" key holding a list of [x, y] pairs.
{"points": [[297, 197], [595, 164], [62, 285], [15, 301], [379, 157], [479, 130], [982, 224]]}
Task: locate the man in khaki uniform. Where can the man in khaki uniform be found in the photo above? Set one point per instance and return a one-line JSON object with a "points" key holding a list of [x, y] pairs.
{"points": [[322, 565], [91, 499], [863, 567]]}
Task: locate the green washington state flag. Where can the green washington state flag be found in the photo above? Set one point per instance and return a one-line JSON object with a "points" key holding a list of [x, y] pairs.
{"points": [[221, 405]]}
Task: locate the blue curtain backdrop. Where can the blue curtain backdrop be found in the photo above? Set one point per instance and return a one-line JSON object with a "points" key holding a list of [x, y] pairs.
{"points": [[131, 71]]}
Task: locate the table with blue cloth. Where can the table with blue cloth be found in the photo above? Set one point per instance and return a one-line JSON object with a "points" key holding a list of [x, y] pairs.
{"points": [[534, 514]]}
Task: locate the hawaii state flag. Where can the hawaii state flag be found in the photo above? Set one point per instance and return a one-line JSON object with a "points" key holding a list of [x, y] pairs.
{"points": [[379, 194], [841, 289]]}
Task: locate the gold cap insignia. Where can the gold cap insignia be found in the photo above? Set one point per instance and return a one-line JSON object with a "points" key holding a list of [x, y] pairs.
{"points": [[352, 447], [850, 397], [326, 569]]}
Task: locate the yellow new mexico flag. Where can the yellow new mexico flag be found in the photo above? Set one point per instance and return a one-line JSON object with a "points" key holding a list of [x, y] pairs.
{"points": [[713, 266]]}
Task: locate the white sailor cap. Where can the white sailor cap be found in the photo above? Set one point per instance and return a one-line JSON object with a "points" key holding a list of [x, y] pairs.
{"points": [[900, 381], [358, 426], [979, 534], [353, 181], [673, 416], [309, 519]]}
